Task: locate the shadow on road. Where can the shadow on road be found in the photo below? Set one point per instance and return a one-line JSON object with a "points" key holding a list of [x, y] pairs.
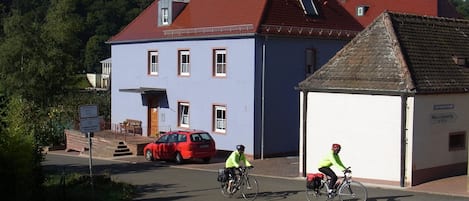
{"points": [[169, 198], [388, 198], [279, 195]]}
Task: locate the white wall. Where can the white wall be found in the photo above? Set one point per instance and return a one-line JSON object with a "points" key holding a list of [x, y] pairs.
{"points": [[367, 126], [439, 115]]}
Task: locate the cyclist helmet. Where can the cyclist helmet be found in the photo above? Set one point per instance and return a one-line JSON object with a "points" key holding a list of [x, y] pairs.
{"points": [[336, 147], [240, 148]]}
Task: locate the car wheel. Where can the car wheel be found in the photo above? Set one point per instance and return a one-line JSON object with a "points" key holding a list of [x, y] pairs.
{"points": [[149, 155], [206, 160], [178, 158]]}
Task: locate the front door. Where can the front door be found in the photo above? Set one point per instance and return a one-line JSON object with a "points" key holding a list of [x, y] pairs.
{"points": [[153, 117]]}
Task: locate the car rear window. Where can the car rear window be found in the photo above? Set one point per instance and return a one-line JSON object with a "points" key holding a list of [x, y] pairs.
{"points": [[199, 137]]}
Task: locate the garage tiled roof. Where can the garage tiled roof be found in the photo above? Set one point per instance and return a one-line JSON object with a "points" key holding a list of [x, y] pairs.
{"points": [[212, 18], [400, 53]]}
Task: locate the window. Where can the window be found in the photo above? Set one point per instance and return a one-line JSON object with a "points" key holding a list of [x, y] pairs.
{"points": [[219, 60], [183, 114], [361, 10], [310, 67], [173, 138], [219, 120], [457, 141], [163, 139], [184, 63], [153, 62], [164, 16], [182, 138]]}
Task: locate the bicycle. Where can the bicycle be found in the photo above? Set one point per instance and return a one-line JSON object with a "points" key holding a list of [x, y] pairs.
{"points": [[242, 184], [348, 189]]}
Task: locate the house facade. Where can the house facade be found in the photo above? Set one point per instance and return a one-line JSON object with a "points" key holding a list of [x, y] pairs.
{"points": [[101, 81], [197, 65], [202, 64], [396, 98]]}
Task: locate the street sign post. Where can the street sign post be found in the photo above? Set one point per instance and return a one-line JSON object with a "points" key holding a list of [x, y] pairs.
{"points": [[89, 123]]}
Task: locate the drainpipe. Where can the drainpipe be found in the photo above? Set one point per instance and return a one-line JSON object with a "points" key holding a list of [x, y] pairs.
{"points": [[403, 137], [262, 97], [305, 110]]}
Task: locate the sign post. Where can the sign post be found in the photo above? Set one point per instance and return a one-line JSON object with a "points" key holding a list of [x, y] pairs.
{"points": [[89, 123]]}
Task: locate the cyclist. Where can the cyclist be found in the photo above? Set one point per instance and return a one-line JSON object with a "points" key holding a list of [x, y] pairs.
{"points": [[233, 161], [329, 160]]}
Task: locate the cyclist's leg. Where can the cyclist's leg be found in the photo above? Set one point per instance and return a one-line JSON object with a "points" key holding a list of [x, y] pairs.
{"points": [[230, 172], [329, 172]]}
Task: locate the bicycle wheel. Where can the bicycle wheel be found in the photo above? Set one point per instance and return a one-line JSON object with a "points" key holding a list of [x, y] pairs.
{"points": [[316, 194], [353, 191], [249, 188]]}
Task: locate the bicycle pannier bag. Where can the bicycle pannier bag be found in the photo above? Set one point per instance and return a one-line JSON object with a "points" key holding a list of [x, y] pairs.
{"points": [[313, 180], [222, 176]]}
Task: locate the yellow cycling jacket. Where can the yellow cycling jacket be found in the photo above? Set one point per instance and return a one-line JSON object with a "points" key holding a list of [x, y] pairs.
{"points": [[234, 159], [332, 159]]}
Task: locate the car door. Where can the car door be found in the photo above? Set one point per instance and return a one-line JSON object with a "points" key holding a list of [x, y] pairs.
{"points": [[160, 147], [171, 146]]}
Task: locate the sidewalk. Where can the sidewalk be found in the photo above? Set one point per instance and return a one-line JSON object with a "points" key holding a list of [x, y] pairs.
{"points": [[288, 168]]}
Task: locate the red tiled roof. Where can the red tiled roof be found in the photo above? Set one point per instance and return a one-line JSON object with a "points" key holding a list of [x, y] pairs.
{"points": [[420, 7], [237, 17]]}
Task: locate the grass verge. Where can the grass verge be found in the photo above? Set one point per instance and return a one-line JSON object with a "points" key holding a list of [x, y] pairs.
{"points": [[77, 187]]}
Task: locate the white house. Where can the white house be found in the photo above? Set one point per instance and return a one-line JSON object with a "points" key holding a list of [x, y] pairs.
{"points": [[102, 80], [396, 99]]}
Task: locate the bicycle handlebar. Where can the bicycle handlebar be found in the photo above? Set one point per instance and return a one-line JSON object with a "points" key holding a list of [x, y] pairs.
{"points": [[347, 170]]}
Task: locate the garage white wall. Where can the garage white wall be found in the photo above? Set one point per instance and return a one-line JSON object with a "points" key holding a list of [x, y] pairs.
{"points": [[439, 115], [367, 127]]}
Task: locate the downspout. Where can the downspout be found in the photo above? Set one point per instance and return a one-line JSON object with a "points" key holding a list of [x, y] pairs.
{"points": [[305, 110], [403, 137], [262, 97]]}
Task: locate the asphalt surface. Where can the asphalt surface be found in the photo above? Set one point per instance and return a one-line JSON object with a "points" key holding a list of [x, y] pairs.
{"points": [[287, 168]]}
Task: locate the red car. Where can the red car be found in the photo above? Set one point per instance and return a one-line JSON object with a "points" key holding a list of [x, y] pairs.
{"points": [[180, 146]]}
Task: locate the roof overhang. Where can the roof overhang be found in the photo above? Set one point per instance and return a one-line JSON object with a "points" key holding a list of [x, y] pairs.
{"points": [[145, 91]]}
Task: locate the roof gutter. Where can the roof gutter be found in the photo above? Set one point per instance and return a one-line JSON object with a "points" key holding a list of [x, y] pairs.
{"points": [[263, 97], [403, 138], [357, 91], [181, 38]]}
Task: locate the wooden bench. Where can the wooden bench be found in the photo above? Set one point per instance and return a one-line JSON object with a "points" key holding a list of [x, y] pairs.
{"points": [[132, 126]]}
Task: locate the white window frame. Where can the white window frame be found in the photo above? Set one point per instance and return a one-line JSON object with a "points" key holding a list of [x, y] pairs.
{"points": [[164, 16], [183, 111], [220, 65], [184, 62], [154, 63], [219, 118]]}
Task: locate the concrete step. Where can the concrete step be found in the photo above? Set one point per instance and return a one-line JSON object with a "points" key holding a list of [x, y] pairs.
{"points": [[122, 150]]}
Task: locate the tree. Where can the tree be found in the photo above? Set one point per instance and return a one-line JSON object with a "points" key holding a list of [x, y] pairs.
{"points": [[462, 6], [19, 154]]}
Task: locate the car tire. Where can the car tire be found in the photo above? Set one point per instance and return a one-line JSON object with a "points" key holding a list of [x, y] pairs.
{"points": [[149, 156], [206, 160], [178, 158]]}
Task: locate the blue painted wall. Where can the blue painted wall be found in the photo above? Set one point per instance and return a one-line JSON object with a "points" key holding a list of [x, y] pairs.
{"points": [[284, 69], [240, 91], [200, 89]]}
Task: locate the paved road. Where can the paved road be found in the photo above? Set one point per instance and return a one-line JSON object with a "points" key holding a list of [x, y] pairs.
{"points": [[157, 181]]}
